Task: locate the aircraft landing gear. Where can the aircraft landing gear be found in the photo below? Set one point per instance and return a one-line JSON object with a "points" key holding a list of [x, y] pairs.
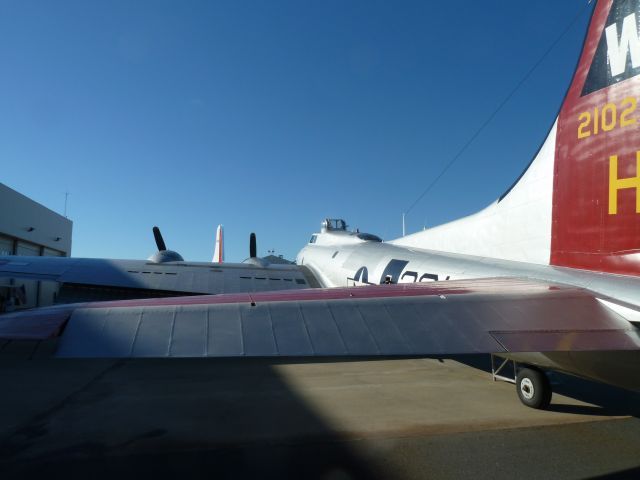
{"points": [[533, 387]]}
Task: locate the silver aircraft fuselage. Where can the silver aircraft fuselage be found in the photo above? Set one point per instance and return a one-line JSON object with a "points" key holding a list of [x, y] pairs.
{"points": [[339, 258]]}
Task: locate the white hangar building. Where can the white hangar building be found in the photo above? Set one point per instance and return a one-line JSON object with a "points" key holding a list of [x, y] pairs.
{"points": [[29, 228]]}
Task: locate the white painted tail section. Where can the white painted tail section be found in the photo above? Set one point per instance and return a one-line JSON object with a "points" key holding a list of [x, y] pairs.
{"points": [[516, 227], [218, 253]]}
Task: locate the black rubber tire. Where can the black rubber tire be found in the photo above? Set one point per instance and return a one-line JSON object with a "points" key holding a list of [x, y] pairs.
{"points": [[533, 387]]}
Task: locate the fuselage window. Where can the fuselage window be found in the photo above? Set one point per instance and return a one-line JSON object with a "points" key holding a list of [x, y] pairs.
{"points": [[429, 277], [409, 276], [362, 275], [369, 237], [335, 254], [313, 238]]}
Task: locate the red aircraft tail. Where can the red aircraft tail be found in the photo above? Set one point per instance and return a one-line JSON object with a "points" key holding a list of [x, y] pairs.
{"points": [[596, 194]]}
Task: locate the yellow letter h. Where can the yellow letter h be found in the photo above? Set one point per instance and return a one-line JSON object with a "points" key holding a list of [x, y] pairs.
{"points": [[616, 183]]}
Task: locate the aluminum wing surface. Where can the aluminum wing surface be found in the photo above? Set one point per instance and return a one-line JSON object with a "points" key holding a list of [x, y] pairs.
{"points": [[441, 318], [140, 275]]}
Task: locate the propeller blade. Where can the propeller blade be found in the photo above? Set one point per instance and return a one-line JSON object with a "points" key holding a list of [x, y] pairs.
{"points": [[159, 240], [253, 250]]}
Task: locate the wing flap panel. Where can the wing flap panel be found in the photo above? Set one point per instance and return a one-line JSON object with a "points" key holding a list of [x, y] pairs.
{"points": [[557, 341]]}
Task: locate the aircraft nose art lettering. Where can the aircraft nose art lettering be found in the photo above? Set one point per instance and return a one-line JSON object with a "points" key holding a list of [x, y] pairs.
{"points": [[596, 203]]}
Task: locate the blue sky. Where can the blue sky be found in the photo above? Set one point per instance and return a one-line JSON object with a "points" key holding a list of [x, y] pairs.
{"points": [[268, 116]]}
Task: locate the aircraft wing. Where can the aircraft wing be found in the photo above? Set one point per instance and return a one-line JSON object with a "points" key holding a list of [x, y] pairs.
{"points": [[495, 315], [137, 275]]}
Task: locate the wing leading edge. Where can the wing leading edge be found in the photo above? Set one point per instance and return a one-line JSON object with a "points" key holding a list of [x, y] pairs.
{"points": [[441, 318]]}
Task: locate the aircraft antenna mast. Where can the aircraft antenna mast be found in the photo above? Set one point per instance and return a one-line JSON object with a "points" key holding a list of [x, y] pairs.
{"points": [[403, 229], [497, 110], [66, 198]]}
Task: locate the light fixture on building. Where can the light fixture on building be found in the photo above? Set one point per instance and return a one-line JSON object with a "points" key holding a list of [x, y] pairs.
{"points": [[57, 239]]}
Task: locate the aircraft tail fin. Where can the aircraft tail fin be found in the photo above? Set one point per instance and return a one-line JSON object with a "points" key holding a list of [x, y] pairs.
{"points": [[596, 195], [578, 203], [218, 253]]}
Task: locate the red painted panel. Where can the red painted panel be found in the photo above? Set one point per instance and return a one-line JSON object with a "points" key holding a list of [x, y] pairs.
{"points": [[458, 287], [34, 324], [584, 234]]}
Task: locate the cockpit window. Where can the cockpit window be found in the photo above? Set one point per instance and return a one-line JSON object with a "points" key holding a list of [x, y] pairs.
{"points": [[313, 238], [334, 224], [368, 237]]}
